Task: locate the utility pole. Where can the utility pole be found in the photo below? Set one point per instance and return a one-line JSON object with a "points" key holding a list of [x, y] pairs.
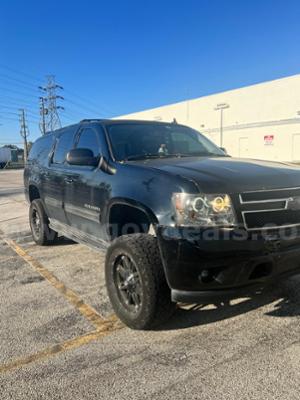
{"points": [[221, 107], [43, 113], [51, 112], [24, 132]]}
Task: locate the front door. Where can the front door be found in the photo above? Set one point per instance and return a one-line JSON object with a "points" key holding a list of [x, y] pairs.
{"points": [[85, 189]]}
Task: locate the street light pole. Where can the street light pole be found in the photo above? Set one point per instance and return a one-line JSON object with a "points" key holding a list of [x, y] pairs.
{"points": [[221, 107], [221, 127]]}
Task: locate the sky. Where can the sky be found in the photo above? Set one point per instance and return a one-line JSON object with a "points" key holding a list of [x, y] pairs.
{"points": [[116, 57]]}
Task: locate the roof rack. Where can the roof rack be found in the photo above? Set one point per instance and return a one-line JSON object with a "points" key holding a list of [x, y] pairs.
{"points": [[91, 119]]}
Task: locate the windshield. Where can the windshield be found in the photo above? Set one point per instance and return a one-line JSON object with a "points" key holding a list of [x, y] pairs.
{"points": [[140, 141]]}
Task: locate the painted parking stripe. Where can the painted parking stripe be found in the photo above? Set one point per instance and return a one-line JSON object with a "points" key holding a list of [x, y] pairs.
{"points": [[103, 326], [57, 349], [85, 309]]}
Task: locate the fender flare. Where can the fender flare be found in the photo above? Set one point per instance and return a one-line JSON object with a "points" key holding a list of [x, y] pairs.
{"points": [[131, 203]]}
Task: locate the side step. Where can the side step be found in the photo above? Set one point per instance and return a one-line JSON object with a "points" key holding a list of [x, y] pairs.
{"points": [[78, 236]]}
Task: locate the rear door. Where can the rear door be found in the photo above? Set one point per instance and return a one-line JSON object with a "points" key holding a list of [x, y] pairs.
{"points": [[54, 178], [85, 189]]}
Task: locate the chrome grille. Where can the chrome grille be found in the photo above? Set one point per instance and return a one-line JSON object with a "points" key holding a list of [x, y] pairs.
{"points": [[269, 209]]}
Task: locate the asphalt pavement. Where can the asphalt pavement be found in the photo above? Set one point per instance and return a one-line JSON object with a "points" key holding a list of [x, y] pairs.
{"points": [[59, 338]]}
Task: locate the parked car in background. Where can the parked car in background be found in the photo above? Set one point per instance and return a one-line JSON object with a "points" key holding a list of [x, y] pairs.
{"points": [[5, 156]]}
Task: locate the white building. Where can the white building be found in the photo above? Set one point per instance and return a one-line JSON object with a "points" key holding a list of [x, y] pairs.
{"points": [[262, 121]]}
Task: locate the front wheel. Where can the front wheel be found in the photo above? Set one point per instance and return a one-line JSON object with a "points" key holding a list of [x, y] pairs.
{"points": [[136, 283]]}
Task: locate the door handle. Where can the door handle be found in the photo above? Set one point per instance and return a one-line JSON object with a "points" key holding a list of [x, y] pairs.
{"points": [[69, 180]]}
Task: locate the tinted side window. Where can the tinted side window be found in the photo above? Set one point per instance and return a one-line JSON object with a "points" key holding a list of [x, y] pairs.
{"points": [[64, 145], [88, 140], [41, 148]]}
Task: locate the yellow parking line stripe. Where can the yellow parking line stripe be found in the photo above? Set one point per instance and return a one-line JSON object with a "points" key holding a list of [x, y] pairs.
{"points": [[11, 219], [56, 349], [86, 310]]}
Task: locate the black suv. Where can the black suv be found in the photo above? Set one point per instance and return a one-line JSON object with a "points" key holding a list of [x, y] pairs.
{"points": [[181, 221]]}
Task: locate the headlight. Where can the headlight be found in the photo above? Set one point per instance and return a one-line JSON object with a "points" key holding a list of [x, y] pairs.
{"points": [[203, 209]]}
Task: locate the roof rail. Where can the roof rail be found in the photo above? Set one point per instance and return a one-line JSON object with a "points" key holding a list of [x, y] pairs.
{"points": [[91, 119]]}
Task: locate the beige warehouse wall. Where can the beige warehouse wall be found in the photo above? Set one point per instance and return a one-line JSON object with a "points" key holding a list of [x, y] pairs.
{"points": [[266, 109]]}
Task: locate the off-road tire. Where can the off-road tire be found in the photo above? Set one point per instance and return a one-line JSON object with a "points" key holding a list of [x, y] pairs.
{"points": [[156, 305], [44, 236]]}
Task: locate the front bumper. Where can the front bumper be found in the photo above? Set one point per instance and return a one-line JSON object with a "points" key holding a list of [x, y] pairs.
{"points": [[206, 265]]}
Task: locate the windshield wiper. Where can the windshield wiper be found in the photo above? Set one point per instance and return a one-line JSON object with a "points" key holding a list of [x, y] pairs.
{"points": [[150, 155], [206, 154], [141, 157], [146, 156], [193, 154]]}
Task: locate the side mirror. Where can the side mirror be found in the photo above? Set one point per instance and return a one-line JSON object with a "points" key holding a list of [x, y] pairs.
{"points": [[82, 157], [223, 149]]}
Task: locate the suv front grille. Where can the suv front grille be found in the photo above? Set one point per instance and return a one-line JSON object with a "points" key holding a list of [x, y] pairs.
{"points": [[269, 209]]}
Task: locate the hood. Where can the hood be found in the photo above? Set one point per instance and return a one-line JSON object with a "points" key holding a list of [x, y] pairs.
{"points": [[229, 175]]}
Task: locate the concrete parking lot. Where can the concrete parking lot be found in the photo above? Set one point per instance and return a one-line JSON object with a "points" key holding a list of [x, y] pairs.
{"points": [[59, 338]]}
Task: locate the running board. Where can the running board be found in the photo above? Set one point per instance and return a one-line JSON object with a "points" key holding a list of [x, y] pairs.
{"points": [[78, 236]]}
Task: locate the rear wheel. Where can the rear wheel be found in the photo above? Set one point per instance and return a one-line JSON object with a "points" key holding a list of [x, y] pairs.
{"points": [[39, 224], [136, 283]]}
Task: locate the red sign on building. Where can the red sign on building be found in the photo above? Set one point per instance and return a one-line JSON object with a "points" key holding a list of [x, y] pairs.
{"points": [[269, 139]]}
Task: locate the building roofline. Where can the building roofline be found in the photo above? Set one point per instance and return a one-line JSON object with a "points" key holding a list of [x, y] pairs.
{"points": [[213, 94]]}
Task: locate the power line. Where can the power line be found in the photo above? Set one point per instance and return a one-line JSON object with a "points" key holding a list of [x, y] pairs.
{"points": [[18, 72], [69, 116], [14, 113], [81, 107], [73, 114], [93, 104], [18, 81], [81, 102], [11, 107], [33, 113], [18, 92], [4, 118], [8, 118], [49, 112], [8, 121], [17, 101], [11, 113]]}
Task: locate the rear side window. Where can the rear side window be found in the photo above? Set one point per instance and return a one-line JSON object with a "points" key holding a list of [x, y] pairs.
{"points": [[88, 140], [64, 145], [41, 148]]}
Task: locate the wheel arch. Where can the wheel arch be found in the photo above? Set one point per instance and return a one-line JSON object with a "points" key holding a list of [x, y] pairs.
{"points": [[129, 212], [33, 192]]}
